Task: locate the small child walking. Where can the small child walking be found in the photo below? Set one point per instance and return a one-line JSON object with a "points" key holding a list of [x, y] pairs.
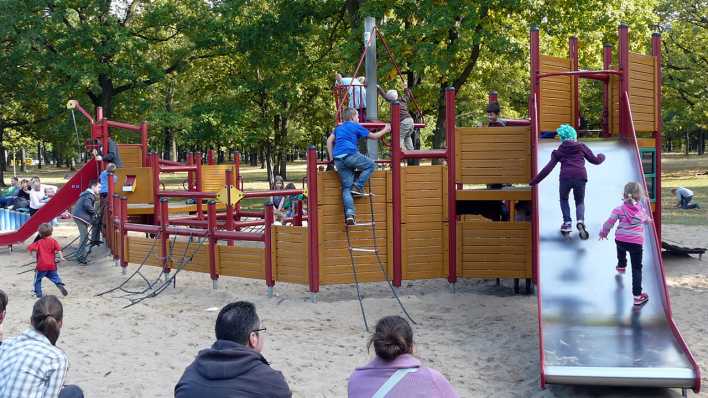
{"points": [[629, 236], [47, 249], [572, 155]]}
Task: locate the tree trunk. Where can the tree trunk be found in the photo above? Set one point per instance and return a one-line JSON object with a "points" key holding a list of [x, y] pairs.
{"points": [[702, 143], [23, 168], [3, 159], [39, 155]]}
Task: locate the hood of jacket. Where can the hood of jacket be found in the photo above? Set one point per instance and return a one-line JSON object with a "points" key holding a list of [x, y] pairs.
{"points": [[227, 360], [570, 148]]}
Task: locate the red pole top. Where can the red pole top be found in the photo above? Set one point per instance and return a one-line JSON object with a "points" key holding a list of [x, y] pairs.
{"points": [[210, 157], [99, 113]]}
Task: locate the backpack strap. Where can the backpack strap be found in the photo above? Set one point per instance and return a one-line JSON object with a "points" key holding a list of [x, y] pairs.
{"points": [[392, 382]]}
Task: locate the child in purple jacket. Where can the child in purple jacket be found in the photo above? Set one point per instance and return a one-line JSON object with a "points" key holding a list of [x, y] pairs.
{"points": [[629, 236], [572, 155], [395, 372]]}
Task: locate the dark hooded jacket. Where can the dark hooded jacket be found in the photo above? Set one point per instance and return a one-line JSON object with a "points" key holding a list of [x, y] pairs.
{"points": [[572, 156], [85, 208], [113, 154], [229, 370]]}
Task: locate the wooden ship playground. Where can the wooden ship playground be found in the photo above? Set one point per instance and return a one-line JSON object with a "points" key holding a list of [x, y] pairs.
{"points": [[419, 222]]}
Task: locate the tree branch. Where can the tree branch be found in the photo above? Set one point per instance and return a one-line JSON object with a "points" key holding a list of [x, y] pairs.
{"points": [[476, 49]]}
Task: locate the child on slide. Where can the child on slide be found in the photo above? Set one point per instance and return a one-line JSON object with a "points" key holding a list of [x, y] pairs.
{"points": [[629, 236], [572, 155]]}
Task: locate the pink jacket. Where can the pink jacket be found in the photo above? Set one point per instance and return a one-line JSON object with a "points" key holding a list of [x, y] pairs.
{"points": [[631, 217], [426, 382]]}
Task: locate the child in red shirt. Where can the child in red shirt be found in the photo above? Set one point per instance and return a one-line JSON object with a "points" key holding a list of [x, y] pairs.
{"points": [[46, 248]]}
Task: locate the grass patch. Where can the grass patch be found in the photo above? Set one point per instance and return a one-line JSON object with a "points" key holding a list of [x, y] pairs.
{"points": [[692, 173]]}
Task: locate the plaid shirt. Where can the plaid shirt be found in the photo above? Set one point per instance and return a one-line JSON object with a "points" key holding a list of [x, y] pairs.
{"points": [[31, 367]]}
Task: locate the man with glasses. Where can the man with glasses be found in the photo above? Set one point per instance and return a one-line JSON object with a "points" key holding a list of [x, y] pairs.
{"points": [[233, 366]]}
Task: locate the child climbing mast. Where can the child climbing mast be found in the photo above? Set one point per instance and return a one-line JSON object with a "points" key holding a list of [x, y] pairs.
{"points": [[343, 151], [572, 155], [629, 236]]}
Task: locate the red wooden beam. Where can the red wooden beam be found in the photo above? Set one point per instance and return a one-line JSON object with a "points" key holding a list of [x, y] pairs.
{"points": [[396, 159], [450, 124], [312, 227]]}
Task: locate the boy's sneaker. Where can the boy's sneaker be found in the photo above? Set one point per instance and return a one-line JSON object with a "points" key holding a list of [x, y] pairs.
{"points": [[621, 269], [641, 299], [582, 231], [62, 289], [350, 220], [356, 191], [566, 227]]}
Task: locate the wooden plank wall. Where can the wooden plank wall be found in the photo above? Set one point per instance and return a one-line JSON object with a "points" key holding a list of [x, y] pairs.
{"points": [[557, 97], [494, 249], [214, 177], [290, 254], [614, 88], [424, 218], [138, 248], [642, 91], [335, 263], [143, 184], [244, 262], [131, 155], [489, 155]]}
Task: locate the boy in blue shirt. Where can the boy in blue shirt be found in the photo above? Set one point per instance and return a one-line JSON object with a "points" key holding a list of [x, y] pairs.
{"points": [[343, 151]]}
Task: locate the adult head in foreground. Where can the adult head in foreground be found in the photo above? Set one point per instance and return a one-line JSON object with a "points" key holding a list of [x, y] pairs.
{"points": [[395, 372], [233, 366]]}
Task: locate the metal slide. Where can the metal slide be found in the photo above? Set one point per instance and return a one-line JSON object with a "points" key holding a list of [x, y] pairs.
{"points": [[590, 332], [62, 200]]}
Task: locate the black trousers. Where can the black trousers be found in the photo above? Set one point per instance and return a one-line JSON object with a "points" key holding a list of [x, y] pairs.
{"points": [[635, 255]]}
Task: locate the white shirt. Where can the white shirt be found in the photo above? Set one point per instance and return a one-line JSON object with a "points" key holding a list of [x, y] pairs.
{"points": [[37, 199], [357, 92], [682, 192]]}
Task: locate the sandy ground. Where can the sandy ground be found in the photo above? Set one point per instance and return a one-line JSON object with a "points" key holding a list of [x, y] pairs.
{"points": [[483, 338]]}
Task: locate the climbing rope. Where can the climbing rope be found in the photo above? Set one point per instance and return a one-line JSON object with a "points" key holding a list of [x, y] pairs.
{"points": [[136, 272], [375, 250]]}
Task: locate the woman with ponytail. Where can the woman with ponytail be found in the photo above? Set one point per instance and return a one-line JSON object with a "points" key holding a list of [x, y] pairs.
{"points": [[395, 372], [31, 366]]}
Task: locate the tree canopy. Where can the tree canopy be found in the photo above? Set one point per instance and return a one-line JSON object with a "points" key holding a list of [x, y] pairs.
{"points": [[257, 75]]}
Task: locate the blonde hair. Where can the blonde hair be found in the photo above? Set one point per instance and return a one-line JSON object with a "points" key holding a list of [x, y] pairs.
{"points": [[633, 191]]}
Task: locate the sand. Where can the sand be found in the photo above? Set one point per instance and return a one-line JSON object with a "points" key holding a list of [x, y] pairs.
{"points": [[483, 338]]}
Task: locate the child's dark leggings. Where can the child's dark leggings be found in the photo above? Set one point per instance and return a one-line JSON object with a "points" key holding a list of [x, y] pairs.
{"points": [[635, 254], [578, 187]]}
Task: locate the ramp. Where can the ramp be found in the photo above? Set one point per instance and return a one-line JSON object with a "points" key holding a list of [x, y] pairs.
{"points": [[62, 200], [590, 332]]}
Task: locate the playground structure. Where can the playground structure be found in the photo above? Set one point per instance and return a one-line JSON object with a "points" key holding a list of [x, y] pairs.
{"points": [[414, 214]]}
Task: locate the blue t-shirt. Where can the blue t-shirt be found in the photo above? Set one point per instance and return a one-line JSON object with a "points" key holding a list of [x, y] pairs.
{"points": [[346, 137], [103, 180]]}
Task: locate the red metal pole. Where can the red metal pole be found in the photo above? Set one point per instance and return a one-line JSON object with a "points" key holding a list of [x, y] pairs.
{"points": [[155, 163], [108, 211], [658, 139], [535, 66], [104, 141], [164, 235], [313, 219], [450, 124], [297, 221], [237, 177], [229, 206], [190, 174], [144, 141], [573, 53], [198, 183], [99, 113], [123, 232], [396, 158], [213, 272], [268, 240], [623, 57], [210, 157], [115, 248], [606, 63]]}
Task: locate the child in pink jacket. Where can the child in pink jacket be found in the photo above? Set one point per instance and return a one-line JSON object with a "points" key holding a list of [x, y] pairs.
{"points": [[629, 236]]}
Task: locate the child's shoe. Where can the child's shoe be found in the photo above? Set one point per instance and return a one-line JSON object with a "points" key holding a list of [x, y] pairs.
{"points": [[566, 227], [620, 269], [62, 289], [350, 220], [582, 231], [641, 299]]}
